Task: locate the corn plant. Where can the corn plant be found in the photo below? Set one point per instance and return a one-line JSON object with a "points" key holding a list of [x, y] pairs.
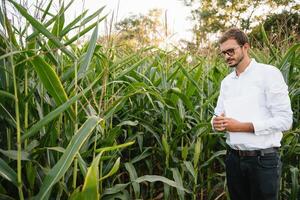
{"points": [[97, 121]]}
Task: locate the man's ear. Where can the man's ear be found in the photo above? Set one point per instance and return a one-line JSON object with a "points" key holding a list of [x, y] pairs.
{"points": [[247, 46]]}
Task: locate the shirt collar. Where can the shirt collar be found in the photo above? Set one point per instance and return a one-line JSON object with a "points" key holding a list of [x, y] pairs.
{"points": [[246, 71]]}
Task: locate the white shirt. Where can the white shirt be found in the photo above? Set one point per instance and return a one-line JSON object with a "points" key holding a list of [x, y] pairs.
{"points": [[258, 95]]}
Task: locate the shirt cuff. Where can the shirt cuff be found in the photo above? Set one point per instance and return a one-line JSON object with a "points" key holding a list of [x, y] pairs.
{"points": [[211, 122], [259, 128]]}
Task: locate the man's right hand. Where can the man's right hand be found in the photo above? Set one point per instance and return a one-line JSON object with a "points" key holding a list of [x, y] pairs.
{"points": [[218, 122]]}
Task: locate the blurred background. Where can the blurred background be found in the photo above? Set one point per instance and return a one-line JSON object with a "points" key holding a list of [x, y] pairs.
{"points": [[113, 99]]}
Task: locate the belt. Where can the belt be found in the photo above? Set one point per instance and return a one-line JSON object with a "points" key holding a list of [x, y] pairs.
{"points": [[260, 152]]}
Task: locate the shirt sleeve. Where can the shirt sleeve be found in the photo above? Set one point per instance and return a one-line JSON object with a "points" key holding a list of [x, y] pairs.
{"points": [[219, 109], [279, 105]]}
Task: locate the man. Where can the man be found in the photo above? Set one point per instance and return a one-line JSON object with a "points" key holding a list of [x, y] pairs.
{"points": [[253, 108]]}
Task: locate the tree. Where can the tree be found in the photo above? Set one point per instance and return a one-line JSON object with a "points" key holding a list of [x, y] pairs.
{"points": [[283, 28], [214, 16], [141, 30]]}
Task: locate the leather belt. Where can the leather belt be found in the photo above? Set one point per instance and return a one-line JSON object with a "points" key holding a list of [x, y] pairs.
{"points": [[260, 152]]}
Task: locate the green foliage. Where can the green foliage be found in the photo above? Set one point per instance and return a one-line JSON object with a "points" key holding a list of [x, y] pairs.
{"points": [[281, 29], [62, 165], [154, 139], [140, 30], [213, 17]]}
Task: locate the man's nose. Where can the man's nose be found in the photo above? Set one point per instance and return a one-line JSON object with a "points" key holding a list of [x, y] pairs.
{"points": [[226, 55]]}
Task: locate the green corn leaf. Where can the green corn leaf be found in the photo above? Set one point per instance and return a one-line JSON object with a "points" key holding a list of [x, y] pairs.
{"points": [[129, 69], [190, 168], [153, 132], [60, 168], [9, 29], [165, 145], [133, 176], [46, 11], [69, 4], [174, 73], [178, 180], [115, 147], [123, 61], [141, 156], [55, 113], [31, 173], [82, 165], [6, 197], [81, 33], [13, 154], [258, 56], [57, 149], [181, 109], [59, 24], [92, 16], [122, 195], [9, 54], [89, 54], [167, 191], [214, 156], [184, 152], [289, 54], [289, 59], [49, 53], [71, 25], [50, 81], [197, 76], [267, 42], [38, 26], [197, 152], [32, 145], [85, 21], [115, 189], [116, 106], [182, 96], [128, 123], [48, 23], [84, 31], [2, 18], [7, 172], [190, 78], [295, 190], [155, 178], [76, 195], [113, 170], [90, 189], [7, 95]]}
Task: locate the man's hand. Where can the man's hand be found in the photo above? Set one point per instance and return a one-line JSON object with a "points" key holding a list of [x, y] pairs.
{"points": [[232, 125], [218, 122], [222, 123]]}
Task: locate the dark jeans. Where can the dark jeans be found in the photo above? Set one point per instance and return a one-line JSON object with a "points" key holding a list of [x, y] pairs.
{"points": [[253, 177]]}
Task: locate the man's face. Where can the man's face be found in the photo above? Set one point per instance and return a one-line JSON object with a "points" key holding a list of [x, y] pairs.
{"points": [[232, 52]]}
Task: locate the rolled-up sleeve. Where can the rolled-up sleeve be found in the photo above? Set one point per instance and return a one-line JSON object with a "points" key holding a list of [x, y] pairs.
{"points": [[278, 104], [219, 109]]}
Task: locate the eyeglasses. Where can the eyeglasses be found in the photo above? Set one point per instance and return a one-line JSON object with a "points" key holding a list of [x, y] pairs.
{"points": [[230, 52]]}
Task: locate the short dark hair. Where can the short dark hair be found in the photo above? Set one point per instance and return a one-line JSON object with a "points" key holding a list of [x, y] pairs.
{"points": [[236, 34]]}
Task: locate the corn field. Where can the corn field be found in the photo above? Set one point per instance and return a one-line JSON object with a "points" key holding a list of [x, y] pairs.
{"points": [[97, 121]]}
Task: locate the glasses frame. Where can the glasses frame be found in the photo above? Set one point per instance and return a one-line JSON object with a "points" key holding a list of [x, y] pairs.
{"points": [[230, 51]]}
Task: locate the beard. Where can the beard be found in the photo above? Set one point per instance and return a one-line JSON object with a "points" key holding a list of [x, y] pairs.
{"points": [[238, 61]]}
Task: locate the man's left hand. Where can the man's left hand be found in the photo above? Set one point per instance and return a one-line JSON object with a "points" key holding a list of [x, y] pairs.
{"points": [[233, 125]]}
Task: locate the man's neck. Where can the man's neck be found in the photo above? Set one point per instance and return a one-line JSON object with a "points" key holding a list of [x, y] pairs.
{"points": [[240, 68]]}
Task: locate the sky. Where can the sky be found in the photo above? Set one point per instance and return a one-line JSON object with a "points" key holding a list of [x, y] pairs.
{"points": [[177, 13]]}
